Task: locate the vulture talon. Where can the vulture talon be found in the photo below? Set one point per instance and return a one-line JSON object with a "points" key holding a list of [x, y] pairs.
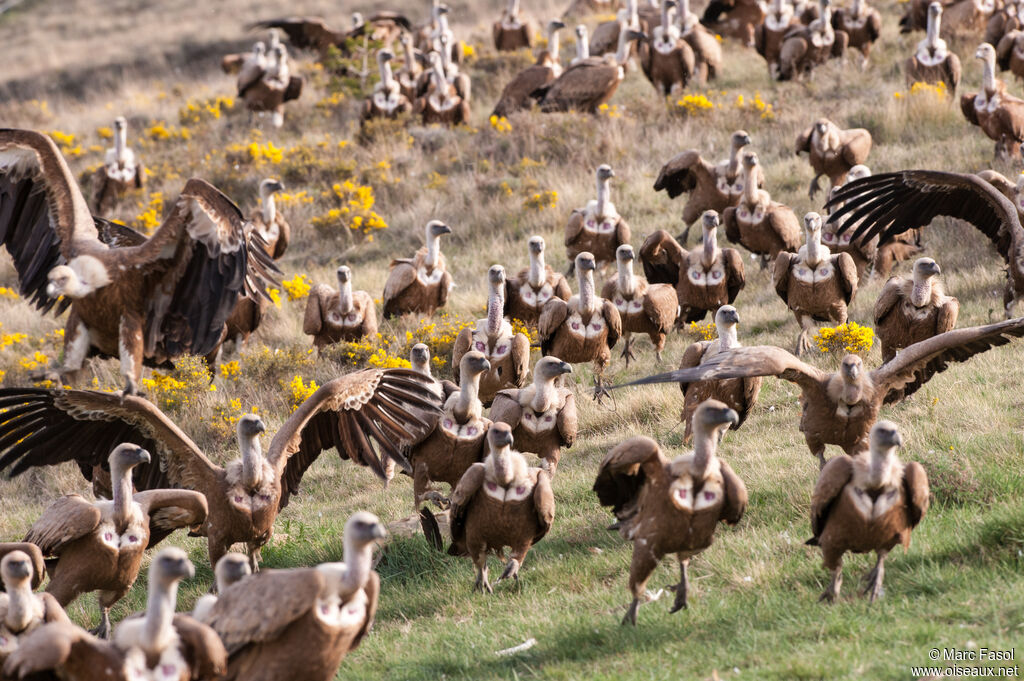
{"points": [[631, 612]]}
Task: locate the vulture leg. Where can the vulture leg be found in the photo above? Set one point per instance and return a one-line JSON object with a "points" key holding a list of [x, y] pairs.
{"points": [[643, 564], [682, 587], [803, 341], [255, 556], [216, 548], [814, 187], [130, 347], [511, 570], [482, 584], [106, 600], [831, 593], [630, 616], [76, 348], [874, 578], [1010, 300], [422, 491], [550, 462], [627, 352]]}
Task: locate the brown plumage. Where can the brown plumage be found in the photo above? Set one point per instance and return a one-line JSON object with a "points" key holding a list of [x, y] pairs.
{"points": [[707, 52], [712, 187], [268, 89], [739, 394], [606, 35], [734, 19], [912, 310], [166, 297], [915, 17], [529, 84], [815, 284], [590, 82], [442, 102], [35, 557], [998, 113], [580, 8], [1010, 17], [644, 308], [1014, 191], [157, 644], [387, 99], [666, 59], [862, 24], [457, 440], [420, 284], [771, 33], [230, 569], [300, 623], [312, 33], [511, 32], [339, 315], [805, 47], [500, 502], [584, 329], [409, 74], [968, 18], [526, 293], [542, 416], [356, 414], [832, 152], [98, 546], [932, 62], [839, 408], [705, 278], [893, 203], [762, 226], [1010, 53], [597, 228], [671, 506], [21, 610], [507, 352], [121, 171], [869, 502]]}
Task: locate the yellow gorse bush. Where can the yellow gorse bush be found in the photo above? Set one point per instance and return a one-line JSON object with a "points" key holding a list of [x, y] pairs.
{"points": [[695, 104], [297, 287], [609, 111], [849, 337], [922, 89], [541, 200], [500, 124], [704, 331], [353, 211], [105, 133], [230, 370], [149, 218], [189, 378], [8, 293], [201, 110], [66, 141], [299, 391]]}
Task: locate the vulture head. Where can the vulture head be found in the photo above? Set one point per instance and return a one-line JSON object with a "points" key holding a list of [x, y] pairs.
{"points": [[16, 570], [231, 568], [259, 50], [419, 357], [604, 172], [885, 436], [624, 254], [585, 262], [536, 243], [712, 416], [436, 228], [925, 269], [120, 123], [270, 186], [357, 20], [822, 125], [554, 26], [496, 277], [581, 32], [851, 369], [987, 54], [473, 364], [384, 56], [740, 139], [883, 442], [812, 226], [250, 427], [344, 274], [504, 466], [749, 159], [88, 275], [709, 221], [858, 172], [125, 457], [364, 528], [170, 566], [549, 368], [726, 318]]}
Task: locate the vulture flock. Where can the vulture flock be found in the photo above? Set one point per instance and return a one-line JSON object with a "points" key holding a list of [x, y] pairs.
{"points": [[201, 281]]}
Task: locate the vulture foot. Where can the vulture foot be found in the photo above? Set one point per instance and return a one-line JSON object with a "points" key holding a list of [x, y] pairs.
{"points": [[482, 585], [803, 343], [511, 570], [254, 558], [103, 630], [873, 581], [630, 616], [627, 352], [442, 502], [680, 603], [821, 459], [813, 188], [830, 594], [600, 390]]}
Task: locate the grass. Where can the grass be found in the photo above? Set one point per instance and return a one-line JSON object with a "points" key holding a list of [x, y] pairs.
{"points": [[754, 612]]}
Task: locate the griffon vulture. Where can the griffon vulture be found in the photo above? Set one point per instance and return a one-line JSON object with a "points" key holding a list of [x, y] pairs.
{"points": [[839, 408], [419, 284], [590, 82], [300, 623], [270, 88], [1008, 18], [387, 99], [868, 502], [597, 228], [832, 152], [21, 610], [705, 278], [666, 59], [816, 285], [762, 226], [98, 546], [500, 502], [1010, 53], [770, 34], [441, 102], [584, 329], [912, 310], [712, 187], [863, 26], [507, 352], [230, 569], [35, 556], [542, 416], [707, 53], [312, 33], [999, 114], [739, 394], [605, 38], [339, 315], [734, 18], [511, 32], [644, 308], [120, 172], [528, 85], [166, 297], [351, 413], [671, 506], [527, 292]]}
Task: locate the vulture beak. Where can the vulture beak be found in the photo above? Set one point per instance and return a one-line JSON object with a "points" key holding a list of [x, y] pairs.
{"points": [[277, 186], [732, 316], [503, 437], [142, 456], [746, 140], [18, 569], [180, 568], [379, 531], [934, 269], [565, 368], [444, 229], [557, 25], [635, 35]]}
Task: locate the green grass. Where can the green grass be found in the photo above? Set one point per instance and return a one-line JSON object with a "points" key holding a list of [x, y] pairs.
{"points": [[754, 605]]}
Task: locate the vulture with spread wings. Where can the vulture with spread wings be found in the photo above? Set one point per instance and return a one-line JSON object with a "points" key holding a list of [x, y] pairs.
{"points": [[839, 408], [352, 414], [892, 203], [165, 297]]}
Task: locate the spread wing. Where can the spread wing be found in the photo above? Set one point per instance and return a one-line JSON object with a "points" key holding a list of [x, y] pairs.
{"points": [[735, 495], [259, 608], [116, 235], [892, 203], [663, 258], [745, 362], [38, 424], [914, 365], [1000, 182], [65, 520], [916, 491], [44, 219], [469, 485], [544, 503], [203, 650], [205, 263], [682, 174], [171, 509], [302, 32], [625, 470], [831, 481], [34, 554], [352, 414]]}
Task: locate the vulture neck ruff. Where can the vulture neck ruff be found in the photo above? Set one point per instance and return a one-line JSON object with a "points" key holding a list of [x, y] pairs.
{"points": [[921, 291], [814, 252], [727, 337]]}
